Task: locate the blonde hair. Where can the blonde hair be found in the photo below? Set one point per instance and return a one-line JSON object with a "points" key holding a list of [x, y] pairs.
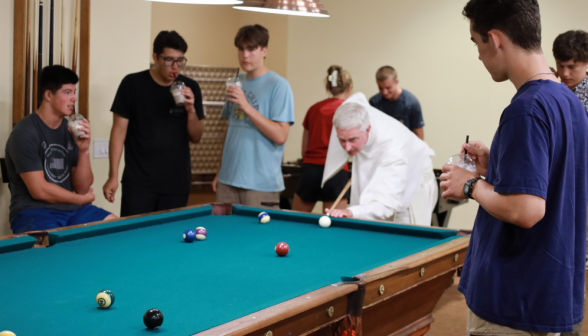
{"points": [[343, 80], [386, 72]]}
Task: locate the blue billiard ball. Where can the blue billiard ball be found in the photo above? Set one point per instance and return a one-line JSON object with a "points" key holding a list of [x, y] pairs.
{"points": [[189, 236], [263, 218]]}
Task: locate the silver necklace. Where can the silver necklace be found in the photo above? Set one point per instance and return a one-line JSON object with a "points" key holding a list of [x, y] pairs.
{"points": [[540, 73]]}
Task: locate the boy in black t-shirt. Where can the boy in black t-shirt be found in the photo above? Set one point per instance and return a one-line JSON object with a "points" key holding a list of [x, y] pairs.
{"points": [[49, 169], [155, 132]]}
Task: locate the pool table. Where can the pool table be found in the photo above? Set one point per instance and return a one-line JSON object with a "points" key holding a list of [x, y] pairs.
{"points": [[356, 277]]}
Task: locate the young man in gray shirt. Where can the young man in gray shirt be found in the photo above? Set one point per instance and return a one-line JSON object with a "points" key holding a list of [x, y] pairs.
{"points": [[48, 168]]}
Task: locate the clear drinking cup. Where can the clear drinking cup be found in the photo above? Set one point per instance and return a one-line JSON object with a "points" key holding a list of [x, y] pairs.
{"points": [[176, 90], [463, 161], [233, 81], [74, 124]]}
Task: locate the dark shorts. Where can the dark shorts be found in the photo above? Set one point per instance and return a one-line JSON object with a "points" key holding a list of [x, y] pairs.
{"points": [[45, 219], [309, 184], [138, 201]]}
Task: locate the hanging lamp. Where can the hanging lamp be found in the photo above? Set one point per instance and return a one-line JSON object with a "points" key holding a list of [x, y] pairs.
{"points": [[287, 7], [202, 2]]}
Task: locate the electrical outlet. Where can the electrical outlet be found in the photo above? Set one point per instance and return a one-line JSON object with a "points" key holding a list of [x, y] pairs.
{"points": [[101, 149]]}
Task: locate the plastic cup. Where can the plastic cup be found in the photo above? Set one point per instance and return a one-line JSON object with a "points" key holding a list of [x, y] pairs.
{"points": [[463, 161], [233, 81], [176, 90], [74, 124]]}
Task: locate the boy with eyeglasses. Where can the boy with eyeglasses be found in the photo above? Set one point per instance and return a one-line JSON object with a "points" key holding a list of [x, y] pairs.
{"points": [[155, 133]]}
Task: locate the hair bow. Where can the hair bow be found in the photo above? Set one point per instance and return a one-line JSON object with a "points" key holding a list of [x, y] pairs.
{"points": [[333, 78]]}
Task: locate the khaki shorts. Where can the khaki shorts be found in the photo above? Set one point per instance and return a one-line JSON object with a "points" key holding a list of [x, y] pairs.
{"points": [[478, 326], [229, 194]]}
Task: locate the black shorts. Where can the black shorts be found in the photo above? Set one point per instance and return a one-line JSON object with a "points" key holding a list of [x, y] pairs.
{"points": [[309, 184]]}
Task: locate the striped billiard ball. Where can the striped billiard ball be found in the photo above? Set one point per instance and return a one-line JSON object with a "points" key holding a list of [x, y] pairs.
{"points": [[200, 233], [105, 298], [263, 218]]}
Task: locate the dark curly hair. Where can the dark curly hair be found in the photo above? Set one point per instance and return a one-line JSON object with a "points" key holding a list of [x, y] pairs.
{"points": [[518, 19], [571, 45]]}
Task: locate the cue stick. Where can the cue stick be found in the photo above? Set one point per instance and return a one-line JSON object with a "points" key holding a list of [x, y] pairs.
{"points": [[28, 60], [39, 63], [61, 55], [74, 60], [51, 31], [339, 197], [35, 58]]}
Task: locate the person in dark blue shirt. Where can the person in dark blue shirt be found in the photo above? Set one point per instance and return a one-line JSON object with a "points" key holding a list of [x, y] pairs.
{"points": [[397, 102], [525, 267]]}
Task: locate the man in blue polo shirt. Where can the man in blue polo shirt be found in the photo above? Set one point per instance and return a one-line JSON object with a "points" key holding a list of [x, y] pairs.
{"points": [[525, 267], [397, 102]]}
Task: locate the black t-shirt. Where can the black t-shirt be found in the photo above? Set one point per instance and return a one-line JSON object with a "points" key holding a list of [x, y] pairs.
{"points": [[34, 146], [157, 150]]}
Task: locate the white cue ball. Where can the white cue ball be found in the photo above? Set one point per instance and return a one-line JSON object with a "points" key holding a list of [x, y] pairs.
{"points": [[325, 221]]}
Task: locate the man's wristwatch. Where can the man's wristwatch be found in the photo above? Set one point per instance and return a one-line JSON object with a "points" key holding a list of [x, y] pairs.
{"points": [[468, 187]]}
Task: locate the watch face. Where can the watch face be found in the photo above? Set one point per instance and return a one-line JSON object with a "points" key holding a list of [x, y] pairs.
{"points": [[467, 189]]}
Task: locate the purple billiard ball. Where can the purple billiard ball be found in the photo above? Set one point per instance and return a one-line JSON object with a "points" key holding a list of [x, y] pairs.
{"points": [[200, 233], [189, 236]]}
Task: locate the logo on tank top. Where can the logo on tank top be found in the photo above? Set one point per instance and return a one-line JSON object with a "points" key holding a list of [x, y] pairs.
{"points": [[56, 163]]}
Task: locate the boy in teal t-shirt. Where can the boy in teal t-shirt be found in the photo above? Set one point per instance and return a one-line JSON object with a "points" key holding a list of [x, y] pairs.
{"points": [[260, 114]]}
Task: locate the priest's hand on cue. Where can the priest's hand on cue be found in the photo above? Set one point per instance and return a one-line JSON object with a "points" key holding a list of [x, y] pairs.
{"points": [[340, 212], [336, 213]]}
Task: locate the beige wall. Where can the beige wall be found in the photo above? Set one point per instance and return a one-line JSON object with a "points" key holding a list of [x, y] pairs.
{"points": [[7, 28], [119, 46], [210, 30], [428, 42]]}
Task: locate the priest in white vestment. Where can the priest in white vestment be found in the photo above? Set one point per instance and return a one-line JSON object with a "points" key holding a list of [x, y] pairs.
{"points": [[392, 172]]}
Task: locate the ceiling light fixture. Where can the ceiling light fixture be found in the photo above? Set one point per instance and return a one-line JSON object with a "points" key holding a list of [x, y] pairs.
{"points": [[203, 2], [287, 7]]}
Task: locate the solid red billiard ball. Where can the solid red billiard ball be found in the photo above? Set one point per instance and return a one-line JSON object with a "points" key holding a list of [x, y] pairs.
{"points": [[282, 249]]}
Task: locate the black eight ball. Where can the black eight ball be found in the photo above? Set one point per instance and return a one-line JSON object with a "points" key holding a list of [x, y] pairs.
{"points": [[153, 318]]}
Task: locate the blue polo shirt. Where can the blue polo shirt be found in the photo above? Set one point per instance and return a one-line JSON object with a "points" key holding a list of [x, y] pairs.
{"points": [[533, 279]]}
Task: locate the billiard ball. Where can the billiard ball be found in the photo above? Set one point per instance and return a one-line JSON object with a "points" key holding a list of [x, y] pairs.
{"points": [[263, 217], [325, 221], [201, 233], [282, 249], [105, 298], [153, 318], [7, 333], [189, 236], [349, 332]]}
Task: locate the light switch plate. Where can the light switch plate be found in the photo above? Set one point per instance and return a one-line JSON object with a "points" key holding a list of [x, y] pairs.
{"points": [[101, 148]]}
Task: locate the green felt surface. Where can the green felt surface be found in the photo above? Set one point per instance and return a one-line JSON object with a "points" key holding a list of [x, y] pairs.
{"points": [[16, 244], [198, 285]]}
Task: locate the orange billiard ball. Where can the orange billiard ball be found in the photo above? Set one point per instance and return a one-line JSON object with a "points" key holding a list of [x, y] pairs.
{"points": [[282, 249]]}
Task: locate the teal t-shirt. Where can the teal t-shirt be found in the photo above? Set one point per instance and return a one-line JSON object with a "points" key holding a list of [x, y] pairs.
{"points": [[250, 159]]}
